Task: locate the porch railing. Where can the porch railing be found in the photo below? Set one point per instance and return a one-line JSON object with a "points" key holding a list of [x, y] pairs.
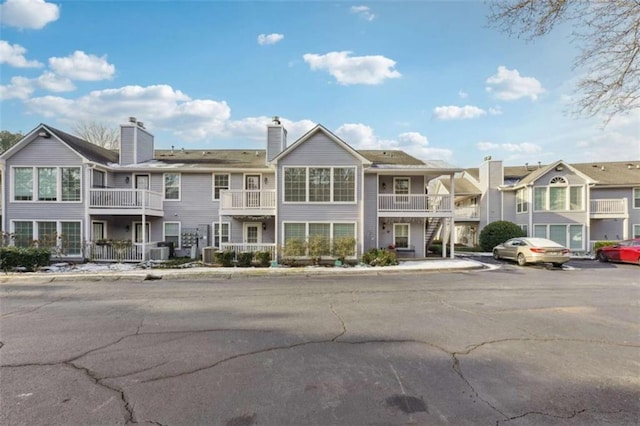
{"points": [[112, 198], [116, 253], [414, 203], [468, 212], [606, 207], [245, 248], [233, 199]]}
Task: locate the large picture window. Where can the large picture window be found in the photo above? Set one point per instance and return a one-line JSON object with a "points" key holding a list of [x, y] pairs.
{"points": [[320, 184], [296, 234], [558, 198], [63, 237], [570, 236], [48, 183]]}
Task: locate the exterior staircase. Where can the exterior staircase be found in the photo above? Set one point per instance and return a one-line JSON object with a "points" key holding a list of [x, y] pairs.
{"points": [[433, 225]]}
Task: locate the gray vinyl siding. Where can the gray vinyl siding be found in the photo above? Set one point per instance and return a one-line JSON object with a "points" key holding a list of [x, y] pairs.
{"points": [[319, 151], [369, 220], [276, 141], [57, 155], [144, 146], [127, 138], [509, 214], [491, 175], [613, 229]]}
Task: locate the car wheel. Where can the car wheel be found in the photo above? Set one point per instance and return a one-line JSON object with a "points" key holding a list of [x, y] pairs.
{"points": [[521, 260], [602, 257], [495, 255], [557, 265]]}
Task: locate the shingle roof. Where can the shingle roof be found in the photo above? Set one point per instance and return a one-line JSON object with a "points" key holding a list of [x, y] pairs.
{"points": [[396, 157], [233, 158], [88, 150]]}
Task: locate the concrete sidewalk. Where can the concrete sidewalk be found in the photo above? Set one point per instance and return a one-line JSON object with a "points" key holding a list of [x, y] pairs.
{"points": [[131, 272]]}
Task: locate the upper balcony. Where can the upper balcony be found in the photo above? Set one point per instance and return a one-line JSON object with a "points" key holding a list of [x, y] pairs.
{"points": [[245, 202], [609, 208], [467, 213], [113, 201], [414, 205]]}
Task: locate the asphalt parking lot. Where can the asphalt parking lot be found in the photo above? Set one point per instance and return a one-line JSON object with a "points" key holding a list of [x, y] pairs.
{"points": [[506, 345]]}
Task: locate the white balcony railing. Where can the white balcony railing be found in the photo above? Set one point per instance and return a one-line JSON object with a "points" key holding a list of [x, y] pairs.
{"points": [[609, 207], [111, 198], [116, 253], [245, 248], [233, 200], [414, 203], [468, 212]]}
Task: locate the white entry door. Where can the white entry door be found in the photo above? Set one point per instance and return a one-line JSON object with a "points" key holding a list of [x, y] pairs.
{"points": [[252, 233]]}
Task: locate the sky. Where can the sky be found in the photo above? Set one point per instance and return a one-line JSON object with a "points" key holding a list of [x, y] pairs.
{"points": [[429, 77]]}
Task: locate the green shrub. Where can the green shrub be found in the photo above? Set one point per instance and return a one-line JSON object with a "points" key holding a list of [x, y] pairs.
{"points": [[245, 258], [318, 246], [344, 247], [293, 248], [263, 258], [498, 232], [599, 244], [225, 258], [30, 258], [380, 257]]}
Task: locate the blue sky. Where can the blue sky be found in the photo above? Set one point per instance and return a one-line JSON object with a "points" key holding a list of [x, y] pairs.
{"points": [[427, 77]]}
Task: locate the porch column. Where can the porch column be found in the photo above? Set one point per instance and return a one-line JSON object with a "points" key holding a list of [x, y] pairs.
{"points": [[144, 226], [452, 237], [452, 182]]}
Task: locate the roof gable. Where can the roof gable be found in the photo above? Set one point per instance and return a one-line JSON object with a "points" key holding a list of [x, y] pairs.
{"points": [[309, 135]]}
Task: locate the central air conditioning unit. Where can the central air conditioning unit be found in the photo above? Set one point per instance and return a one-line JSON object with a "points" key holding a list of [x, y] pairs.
{"points": [[159, 253], [208, 255]]}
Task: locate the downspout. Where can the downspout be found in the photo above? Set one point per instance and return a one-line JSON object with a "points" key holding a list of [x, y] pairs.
{"points": [[452, 235], [587, 230], [144, 224], [4, 200], [530, 208], [87, 201]]}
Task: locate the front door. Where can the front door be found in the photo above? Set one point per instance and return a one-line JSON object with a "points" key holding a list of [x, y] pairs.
{"points": [[252, 233], [141, 181], [252, 186]]}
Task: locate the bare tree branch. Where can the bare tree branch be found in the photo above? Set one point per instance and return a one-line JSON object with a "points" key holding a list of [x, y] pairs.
{"points": [[98, 133], [607, 34]]}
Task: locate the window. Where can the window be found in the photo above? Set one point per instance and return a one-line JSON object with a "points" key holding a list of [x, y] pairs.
{"points": [[295, 184], [137, 232], [525, 230], [540, 231], [321, 232], [540, 198], [558, 198], [636, 198], [401, 235], [98, 231], [172, 186], [297, 233], [344, 184], [575, 237], [522, 205], [47, 187], [70, 183], [570, 236], [558, 233], [220, 236], [220, 182], [575, 198], [401, 186], [636, 231], [171, 233], [319, 184], [64, 237], [23, 183], [342, 230]]}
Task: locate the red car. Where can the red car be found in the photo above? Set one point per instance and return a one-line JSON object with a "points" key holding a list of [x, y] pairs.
{"points": [[625, 251]]}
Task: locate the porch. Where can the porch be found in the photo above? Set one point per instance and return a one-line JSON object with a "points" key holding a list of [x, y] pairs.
{"points": [[414, 205], [247, 202], [117, 201], [123, 251], [249, 248]]}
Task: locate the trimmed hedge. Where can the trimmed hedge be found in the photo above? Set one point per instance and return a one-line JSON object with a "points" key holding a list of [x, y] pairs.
{"points": [[225, 258], [497, 233], [600, 244], [26, 257], [380, 257]]}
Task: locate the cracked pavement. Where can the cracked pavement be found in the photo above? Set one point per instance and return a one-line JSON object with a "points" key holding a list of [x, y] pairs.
{"points": [[511, 346]]}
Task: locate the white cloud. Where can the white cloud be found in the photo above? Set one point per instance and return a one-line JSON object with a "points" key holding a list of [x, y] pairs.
{"points": [[453, 112], [269, 38], [54, 83], [525, 147], [80, 66], [30, 14], [353, 69], [361, 136], [508, 85], [364, 12], [495, 110], [462, 94], [13, 54], [618, 141], [19, 88]]}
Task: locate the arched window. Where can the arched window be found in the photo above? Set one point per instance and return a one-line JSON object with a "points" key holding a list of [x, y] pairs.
{"points": [[558, 180]]}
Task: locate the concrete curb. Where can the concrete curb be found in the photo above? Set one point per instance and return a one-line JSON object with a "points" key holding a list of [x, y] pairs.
{"points": [[231, 273]]}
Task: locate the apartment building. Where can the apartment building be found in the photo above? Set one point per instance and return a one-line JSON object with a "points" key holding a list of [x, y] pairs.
{"points": [[131, 204]]}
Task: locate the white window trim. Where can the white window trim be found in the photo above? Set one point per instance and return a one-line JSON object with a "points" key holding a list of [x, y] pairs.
{"points": [[355, 186], [635, 234], [34, 184], [331, 230], [633, 199], [397, 196], [408, 233], [213, 184], [567, 204], [213, 228], [567, 225], [164, 188], [179, 232], [36, 236], [525, 201]]}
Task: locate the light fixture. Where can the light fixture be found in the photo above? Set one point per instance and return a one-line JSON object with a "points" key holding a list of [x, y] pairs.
{"points": [[127, 228], [44, 134], [384, 225], [266, 179], [559, 167], [264, 226], [127, 179], [384, 185]]}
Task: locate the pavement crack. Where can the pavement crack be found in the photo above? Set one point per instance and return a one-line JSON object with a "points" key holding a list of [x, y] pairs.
{"points": [[129, 415], [540, 413], [10, 314], [458, 370], [344, 327], [471, 348], [131, 373]]}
